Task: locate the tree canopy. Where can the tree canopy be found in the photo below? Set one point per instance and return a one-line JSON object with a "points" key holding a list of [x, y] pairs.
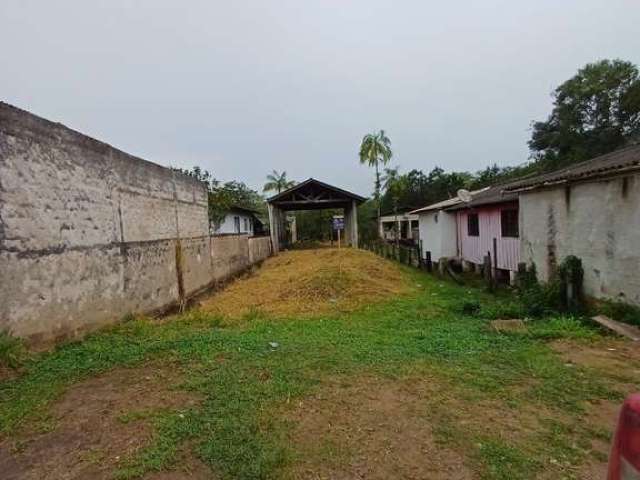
{"points": [[594, 112], [277, 182], [223, 196], [375, 151]]}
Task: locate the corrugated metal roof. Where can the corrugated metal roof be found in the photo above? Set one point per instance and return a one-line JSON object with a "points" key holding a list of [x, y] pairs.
{"points": [[612, 163], [450, 202], [488, 196]]}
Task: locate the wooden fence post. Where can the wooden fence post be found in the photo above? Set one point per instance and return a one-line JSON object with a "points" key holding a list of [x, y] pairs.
{"points": [[428, 261], [487, 270]]}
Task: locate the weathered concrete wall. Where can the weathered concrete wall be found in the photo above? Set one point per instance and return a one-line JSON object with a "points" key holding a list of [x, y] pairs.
{"points": [[89, 233], [259, 249], [229, 255], [597, 222]]}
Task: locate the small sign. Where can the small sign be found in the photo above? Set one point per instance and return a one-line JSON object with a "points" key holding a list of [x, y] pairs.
{"points": [[338, 223]]}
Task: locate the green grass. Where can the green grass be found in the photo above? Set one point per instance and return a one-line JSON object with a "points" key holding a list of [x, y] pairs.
{"points": [[236, 428]]}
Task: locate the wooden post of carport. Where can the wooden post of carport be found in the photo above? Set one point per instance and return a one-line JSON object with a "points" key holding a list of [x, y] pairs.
{"points": [[354, 224], [274, 227], [351, 224]]}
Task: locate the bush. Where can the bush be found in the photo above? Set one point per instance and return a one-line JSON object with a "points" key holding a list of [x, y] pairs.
{"points": [[541, 300], [12, 351], [570, 272], [471, 307]]}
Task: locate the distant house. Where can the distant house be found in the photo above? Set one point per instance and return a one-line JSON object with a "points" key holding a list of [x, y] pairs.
{"points": [[238, 220], [590, 210], [438, 229], [489, 225], [402, 225]]}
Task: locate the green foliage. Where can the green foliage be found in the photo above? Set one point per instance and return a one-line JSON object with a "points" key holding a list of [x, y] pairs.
{"points": [[566, 327], [367, 223], [570, 272], [470, 307], [620, 311], [375, 151], [223, 196], [504, 309], [594, 112], [415, 189], [315, 224], [277, 182], [12, 351], [539, 299]]}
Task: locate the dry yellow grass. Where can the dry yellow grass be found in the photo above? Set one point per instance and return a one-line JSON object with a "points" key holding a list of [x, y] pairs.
{"points": [[311, 282]]}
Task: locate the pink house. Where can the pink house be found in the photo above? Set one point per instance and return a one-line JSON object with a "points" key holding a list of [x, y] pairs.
{"points": [[489, 217]]}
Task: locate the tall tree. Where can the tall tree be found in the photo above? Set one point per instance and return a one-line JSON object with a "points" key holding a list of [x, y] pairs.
{"points": [[375, 151], [277, 182], [223, 196], [594, 112]]}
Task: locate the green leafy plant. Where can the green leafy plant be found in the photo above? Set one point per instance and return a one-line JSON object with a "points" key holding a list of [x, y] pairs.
{"points": [[12, 351]]}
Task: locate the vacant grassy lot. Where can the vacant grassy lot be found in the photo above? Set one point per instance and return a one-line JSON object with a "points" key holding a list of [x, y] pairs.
{"points": [[343, 384]]}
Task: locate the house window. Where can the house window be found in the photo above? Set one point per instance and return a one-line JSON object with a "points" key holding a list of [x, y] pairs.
{"points": [[236, 224], [246, 225], [473, 225], [509, 223]]}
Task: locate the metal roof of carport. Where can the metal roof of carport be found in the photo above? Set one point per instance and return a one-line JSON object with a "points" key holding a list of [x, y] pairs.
{"points": [[313, 194]]}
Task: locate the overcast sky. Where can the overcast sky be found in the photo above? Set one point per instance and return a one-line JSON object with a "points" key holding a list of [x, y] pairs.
{"points": [[242, 87]]}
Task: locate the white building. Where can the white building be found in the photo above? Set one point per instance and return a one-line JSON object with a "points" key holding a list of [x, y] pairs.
{"points": [[437, 231], [237, 220], [404, 226], [590, 210]]}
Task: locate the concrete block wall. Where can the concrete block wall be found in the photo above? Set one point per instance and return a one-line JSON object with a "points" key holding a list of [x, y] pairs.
{"points": [[596, 221], [89, 233], [229, 256], [259, 249]]}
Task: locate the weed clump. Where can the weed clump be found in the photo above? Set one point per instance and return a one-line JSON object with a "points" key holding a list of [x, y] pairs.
{"points": [[12, 351]]}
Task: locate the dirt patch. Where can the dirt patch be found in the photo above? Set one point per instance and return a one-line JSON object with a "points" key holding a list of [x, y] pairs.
{"points": [[95, 426], [616, 358], [373, 429], [311, 282]]}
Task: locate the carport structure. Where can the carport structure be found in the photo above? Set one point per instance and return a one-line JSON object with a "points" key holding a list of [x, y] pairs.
{"points": [[313, 194]]}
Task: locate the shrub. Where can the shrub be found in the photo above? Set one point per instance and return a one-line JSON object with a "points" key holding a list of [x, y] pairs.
{"points": [[12, 351], [570, 272], [545, 299], [471, 307]]}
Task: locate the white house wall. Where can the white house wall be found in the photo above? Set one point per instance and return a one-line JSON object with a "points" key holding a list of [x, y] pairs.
{"points": [[228, 226], [437, 232], [599, 222]]}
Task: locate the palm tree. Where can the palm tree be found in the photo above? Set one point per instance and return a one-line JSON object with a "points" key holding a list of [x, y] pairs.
{"points": [[375, 150], [278, 182], [390, 178]]}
